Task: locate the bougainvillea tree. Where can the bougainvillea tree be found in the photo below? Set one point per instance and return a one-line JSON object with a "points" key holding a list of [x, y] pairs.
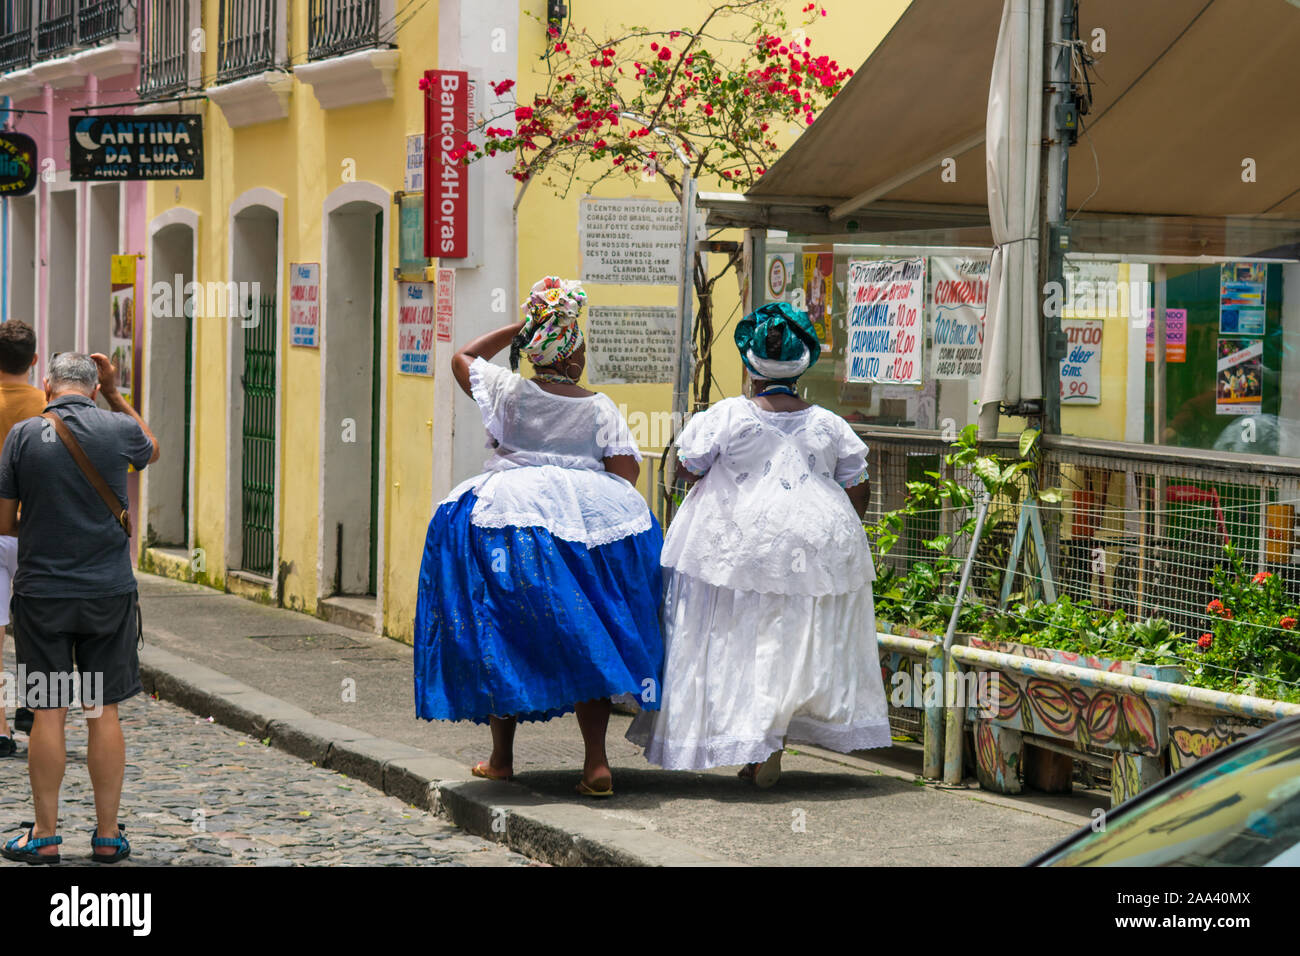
{"points": [[720, 100]]}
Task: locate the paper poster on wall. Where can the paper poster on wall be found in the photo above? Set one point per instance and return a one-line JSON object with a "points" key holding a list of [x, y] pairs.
{"points": [[446, 301], [304, 304], [1239, 377], [1175, 335], [780, 276], [885, 333], [1092, 291], [413, 180], [818, 291], [121, 340], [1081, 367], [629, 344], [415, 306], [1242, 298], [959, 292]]}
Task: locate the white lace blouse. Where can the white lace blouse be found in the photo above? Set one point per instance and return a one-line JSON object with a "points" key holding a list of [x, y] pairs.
{"points": [[547, 469], [770, 513]]}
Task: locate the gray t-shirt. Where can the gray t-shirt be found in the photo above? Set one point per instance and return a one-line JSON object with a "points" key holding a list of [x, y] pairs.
{"points": [[68, 543]]}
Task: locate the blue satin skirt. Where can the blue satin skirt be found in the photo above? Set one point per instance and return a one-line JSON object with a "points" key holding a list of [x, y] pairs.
{"points": [[515, 622]]}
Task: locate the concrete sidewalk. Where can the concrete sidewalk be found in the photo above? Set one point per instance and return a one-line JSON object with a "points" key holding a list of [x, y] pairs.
{"points": [[343, 699]]}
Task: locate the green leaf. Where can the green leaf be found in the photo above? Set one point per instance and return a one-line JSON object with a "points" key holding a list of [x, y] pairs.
{"points": [[986, 469], [1027, 439], [939, 544], [1050, 495]]}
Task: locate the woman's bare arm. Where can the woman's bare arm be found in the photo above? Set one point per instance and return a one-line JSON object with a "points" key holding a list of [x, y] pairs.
{"points": [[625, 466], [484, 347], [859, 497]]}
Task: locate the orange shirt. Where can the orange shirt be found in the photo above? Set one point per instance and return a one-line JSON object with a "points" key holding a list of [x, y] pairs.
{"points": [[17, 403]]}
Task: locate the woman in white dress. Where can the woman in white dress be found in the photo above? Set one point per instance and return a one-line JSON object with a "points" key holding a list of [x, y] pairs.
{"points": [[769, 621]]}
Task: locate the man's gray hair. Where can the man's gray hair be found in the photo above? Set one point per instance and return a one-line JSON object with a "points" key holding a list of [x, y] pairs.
{"points": [[72, 372]]}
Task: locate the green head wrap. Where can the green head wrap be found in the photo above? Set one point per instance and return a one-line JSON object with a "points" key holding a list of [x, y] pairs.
{"points": [[799, 348]]}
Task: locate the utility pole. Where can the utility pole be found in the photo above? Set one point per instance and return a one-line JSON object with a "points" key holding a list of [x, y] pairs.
{"points": [[1062, 129]]}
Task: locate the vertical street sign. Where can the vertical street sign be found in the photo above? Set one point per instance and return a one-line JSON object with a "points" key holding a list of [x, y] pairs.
{"points": [[446, 180]]}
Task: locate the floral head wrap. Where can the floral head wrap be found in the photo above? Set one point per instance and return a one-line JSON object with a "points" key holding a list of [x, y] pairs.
{"points": [[551, 332]]}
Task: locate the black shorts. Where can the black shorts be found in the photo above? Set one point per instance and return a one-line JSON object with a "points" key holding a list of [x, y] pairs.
{"points": [[96, 639]]}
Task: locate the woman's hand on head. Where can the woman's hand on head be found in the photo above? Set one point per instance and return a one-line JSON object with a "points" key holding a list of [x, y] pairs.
{"points": [[484, 347]]}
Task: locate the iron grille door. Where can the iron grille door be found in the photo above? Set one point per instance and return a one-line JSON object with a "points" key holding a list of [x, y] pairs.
{"points": [[259, 440]]}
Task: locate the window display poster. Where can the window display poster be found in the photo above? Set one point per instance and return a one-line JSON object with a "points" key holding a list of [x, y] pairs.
{"points": [[780, 277], [1239, 378], [1242, 298], [415, 305], [304, 304], [959, 293], [1175, 335], [121, 340], [885, 302], [818, 289], [1081, 367]]}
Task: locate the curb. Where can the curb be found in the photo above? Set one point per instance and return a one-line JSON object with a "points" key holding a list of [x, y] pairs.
{"points": [[507, 813]]}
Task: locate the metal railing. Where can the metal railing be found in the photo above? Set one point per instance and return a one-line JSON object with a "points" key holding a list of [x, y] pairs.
{"points": [[341, 26], [45, 29], [56, 28], [247, 43], [99, 20], [16, 36], [164, 47]]}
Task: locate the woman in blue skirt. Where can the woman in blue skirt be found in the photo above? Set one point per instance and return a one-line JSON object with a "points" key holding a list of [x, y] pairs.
{"points": [[540, 584]]}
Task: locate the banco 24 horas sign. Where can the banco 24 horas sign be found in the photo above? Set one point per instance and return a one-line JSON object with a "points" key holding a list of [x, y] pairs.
{"points": [[136, 147]]}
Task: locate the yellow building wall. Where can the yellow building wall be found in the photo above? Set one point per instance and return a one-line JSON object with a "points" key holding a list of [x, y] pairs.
{"points": [[304, 158]]}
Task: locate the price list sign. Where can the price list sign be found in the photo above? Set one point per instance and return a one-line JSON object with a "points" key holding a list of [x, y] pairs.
{"points": [[415, 328], [886, 299]]}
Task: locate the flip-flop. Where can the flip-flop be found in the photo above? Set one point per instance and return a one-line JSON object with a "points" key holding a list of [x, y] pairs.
{"points": [[587, 790], [481, 769]]}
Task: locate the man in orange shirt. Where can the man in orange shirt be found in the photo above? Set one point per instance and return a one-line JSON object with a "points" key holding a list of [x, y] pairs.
{"points": [[19, 400]]}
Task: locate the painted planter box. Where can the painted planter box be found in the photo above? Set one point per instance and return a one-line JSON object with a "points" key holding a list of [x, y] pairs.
{"points": [[1194, 734], [911, 668]]}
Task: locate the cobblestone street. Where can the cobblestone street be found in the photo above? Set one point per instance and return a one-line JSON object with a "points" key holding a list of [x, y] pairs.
{"points": [[198, 794]]}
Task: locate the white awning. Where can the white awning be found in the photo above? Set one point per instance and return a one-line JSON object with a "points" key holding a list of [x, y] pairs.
{"points": [[1192, 122]]}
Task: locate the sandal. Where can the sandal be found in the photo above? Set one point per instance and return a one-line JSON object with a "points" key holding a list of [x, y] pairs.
{"points": [[28, 852], [481, 769], [587, 790], [119, 841], [763, 775]]}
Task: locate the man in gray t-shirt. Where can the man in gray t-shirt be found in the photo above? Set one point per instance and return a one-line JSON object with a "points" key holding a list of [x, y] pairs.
{"points": [[75, 609]]}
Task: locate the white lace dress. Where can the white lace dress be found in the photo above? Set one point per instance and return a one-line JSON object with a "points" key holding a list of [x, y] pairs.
{"points": [[769, 620]]}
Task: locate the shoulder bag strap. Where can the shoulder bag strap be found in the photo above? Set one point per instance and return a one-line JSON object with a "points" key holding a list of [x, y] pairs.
{"points": [[94, 477]]}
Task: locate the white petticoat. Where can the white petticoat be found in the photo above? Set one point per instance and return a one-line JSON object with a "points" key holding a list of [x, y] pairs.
{"points": [[745, 670], [577, 504]]}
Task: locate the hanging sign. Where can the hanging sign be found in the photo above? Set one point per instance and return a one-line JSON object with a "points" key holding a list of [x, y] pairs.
{"points": [[1081, 367], [630, 241], [17, 164], [304, 304], [415, 305], [780, 276], [121, 270], [959, 293], [885, 302], [446, 301], [1239, 377], [446, 180], [121, 339], [154, 146]]}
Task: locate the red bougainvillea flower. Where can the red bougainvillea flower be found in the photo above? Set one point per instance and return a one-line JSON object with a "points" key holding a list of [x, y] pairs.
{"points": [[1261, 577], [1215, 606], [665, 54], [523, 113], [1288, 623], [1204, 641], [503, 87], [424, 83]]}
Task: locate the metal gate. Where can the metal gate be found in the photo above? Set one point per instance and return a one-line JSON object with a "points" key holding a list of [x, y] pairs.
{"points": [[258, 478]]}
